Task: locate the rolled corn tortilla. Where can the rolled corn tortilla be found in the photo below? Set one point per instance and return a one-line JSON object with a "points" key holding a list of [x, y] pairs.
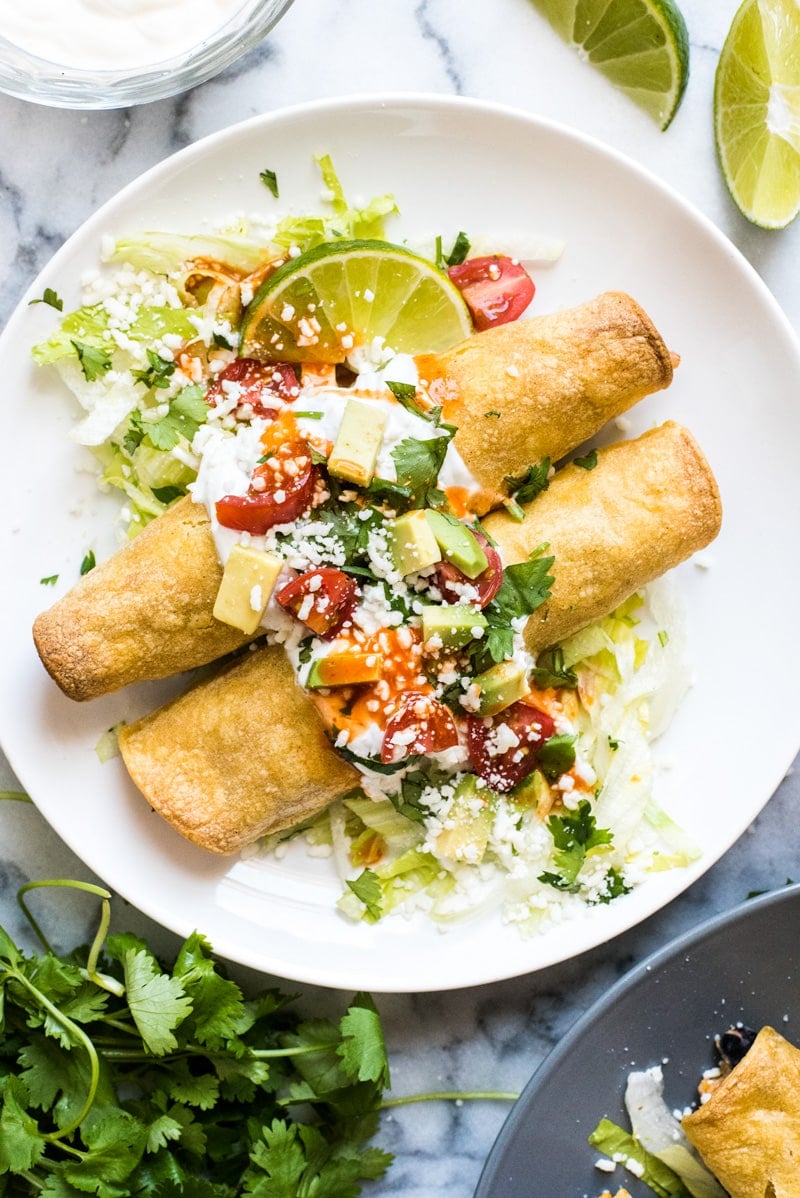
{"points": [[537, 388], [554, 380], [240, 755], [646, 506], [146, 612], [748, 1130]]}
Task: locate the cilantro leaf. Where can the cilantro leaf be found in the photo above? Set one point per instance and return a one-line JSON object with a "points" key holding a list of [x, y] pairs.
{"points": [[459, 251], [94, 362], [88, 563], [363, 1048], [51, 298], [367, 888], [587, 463], [525, 487], [270, 180], [615, 886], [574, 834], [20, 1144], [461, 247], [417, 464], [187, 411], [406, 395], [158, 372], [49, 581], [556, 756], [551, 671], [525, 587], [158, 1002]]}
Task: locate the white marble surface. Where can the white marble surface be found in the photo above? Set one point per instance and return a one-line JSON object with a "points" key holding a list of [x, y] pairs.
{"points": [[57, 166]]}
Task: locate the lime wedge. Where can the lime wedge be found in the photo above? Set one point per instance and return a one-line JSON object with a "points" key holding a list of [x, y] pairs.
{"points": [[757, 111], [338, 296], [642, 46]]}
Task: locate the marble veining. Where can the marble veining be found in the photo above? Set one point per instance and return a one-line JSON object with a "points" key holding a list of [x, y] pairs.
{"points": [[56, 167]]}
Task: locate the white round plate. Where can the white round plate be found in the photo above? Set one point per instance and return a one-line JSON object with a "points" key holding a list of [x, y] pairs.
{"points": [[452, 164]]}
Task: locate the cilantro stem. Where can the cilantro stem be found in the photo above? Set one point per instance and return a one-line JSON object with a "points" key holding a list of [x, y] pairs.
{"points": [[31, 1179], [450, 1096], [80, 1035], [18, 796], [69, 884]]}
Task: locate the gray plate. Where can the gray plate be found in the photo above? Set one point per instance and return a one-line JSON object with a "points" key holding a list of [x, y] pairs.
{"points": [[743, 965]]}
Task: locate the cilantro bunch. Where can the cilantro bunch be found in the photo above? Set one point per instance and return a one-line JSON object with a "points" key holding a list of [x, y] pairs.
{"points": [[122, 1076]]}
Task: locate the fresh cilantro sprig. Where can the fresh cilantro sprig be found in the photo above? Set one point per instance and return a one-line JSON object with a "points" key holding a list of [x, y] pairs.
{"points": [[158, 372], [574, 834], [270, 180], [525, 587], [523, 488], [51, 298], [120, 1075], [551, 671], [94, 362], [458, 253], [417, 464], [187, 411], [588, 462]]}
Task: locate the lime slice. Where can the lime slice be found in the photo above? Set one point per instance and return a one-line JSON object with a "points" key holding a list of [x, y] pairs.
{"points": [[757, 111], [325, 303], [642, 46]]}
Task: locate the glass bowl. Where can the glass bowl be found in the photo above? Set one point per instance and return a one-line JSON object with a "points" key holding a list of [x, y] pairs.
{"points": [[29, 77]]}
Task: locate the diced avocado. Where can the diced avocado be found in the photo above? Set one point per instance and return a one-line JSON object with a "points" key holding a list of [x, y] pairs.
{"points": [[452, 625], [468, 822], [358, 442], [248, 580], [458, 543], [345, 669], [534, 791], [413, 544], [500, 686]]}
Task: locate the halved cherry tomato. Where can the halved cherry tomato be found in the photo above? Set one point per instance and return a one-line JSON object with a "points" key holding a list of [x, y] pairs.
{"points": [[323, 599], [495, 289], [502, 768], [420, 725], [449, 578], [259, 382], [281, 490]]}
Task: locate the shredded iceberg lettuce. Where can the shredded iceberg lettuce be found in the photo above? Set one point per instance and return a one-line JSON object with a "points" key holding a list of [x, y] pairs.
{"points": [[660, 1133]]}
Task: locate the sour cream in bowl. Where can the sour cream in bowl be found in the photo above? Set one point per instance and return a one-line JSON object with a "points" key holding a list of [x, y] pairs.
{"points": [[114, 53]]}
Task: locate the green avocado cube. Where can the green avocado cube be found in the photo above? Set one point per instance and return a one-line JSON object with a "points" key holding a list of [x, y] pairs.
{"points": [[358, 442], [452, 625], [500, 686], [414, 547], [458, 543]]}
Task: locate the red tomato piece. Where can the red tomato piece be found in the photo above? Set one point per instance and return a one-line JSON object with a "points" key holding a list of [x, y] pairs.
{"points": [[260, 382], [502, 765], [449, 578], [420, 725], [495, 289], [322, 599], [281, 490]]}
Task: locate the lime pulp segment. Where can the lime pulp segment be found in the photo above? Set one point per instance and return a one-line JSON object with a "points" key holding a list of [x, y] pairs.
{"points": [[641, 46], [757, 111], [338, 296]]}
